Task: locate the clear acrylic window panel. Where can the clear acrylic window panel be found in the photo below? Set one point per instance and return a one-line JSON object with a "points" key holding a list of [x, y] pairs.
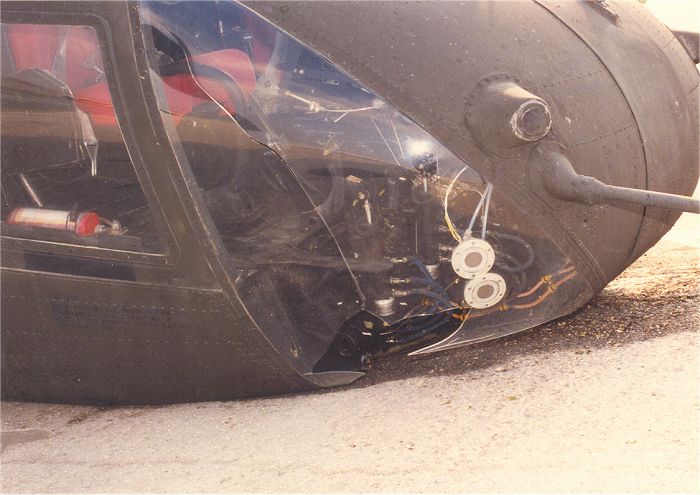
{"points": [[66, 173], [340, 215]]}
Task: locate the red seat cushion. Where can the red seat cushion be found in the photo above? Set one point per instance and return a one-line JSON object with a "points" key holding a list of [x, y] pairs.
{"points": [[37, 46], [182, 91], [97, 103], [233, 62], [33, 45]]}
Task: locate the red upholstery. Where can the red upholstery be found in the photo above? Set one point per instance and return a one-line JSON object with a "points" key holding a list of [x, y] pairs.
{"points": [[183, 92], [96, 102], [235, 63], [33, 45], [37, 45]]}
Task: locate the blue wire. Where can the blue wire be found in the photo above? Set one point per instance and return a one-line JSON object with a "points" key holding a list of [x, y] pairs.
{"points": [[428, 278]]}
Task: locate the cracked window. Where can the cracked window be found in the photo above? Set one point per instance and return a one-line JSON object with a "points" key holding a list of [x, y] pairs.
{"points": [[351, 231]]}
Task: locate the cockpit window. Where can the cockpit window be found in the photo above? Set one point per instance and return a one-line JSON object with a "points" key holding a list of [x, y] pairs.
{"points": [[66, 175], [352, 232]]}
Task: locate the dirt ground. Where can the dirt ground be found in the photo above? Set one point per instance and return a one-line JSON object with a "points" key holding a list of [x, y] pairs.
{"points": [[605, 400]]}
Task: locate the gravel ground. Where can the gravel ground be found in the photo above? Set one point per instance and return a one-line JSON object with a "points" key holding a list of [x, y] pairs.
{"points": [[605, 400]]}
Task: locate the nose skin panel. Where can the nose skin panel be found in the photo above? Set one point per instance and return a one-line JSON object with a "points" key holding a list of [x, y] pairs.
{"points": [[64, 341], [430, 73], [660, 84]]}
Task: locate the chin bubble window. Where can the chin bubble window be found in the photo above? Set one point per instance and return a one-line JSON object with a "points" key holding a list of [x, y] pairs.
{"points": [[351, 232], [66, 174]]}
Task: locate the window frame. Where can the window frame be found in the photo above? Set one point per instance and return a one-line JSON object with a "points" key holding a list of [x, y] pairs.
{"points": [[171, 250]]}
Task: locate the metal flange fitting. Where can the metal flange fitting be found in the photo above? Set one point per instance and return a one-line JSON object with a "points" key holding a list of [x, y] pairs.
{"points": [[485, 291], [472, 258]]}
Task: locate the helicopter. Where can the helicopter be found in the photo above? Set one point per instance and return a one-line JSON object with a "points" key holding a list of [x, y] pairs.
{"points": [[211, 200]]}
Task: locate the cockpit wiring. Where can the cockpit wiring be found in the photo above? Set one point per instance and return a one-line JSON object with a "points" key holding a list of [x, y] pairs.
{"points": [[448, 221], [481, 207]]}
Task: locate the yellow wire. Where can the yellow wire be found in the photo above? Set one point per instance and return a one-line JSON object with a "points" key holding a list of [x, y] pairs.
{"points": [[448, 221]]}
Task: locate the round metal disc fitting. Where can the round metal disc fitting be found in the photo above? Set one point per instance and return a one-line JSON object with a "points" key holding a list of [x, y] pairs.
{"points": [[472, 258], [485, 291]]}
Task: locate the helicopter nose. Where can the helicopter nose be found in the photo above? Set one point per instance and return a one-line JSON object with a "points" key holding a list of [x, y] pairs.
{"points": [[621, 91]]}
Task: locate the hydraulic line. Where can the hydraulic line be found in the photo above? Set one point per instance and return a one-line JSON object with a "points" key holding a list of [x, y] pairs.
{"points": [[470, 315], [550, 290], [545, 280], [515, 266], [420, 265], [424, 292], [426, 274], [419, 280], [405, 336]]}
